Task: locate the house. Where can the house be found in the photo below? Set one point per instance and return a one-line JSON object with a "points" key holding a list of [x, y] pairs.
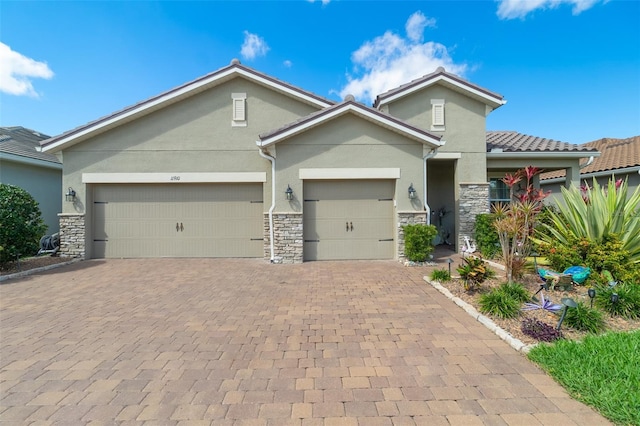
{"points": [[619, 158], [38, 173], [240, 164]]}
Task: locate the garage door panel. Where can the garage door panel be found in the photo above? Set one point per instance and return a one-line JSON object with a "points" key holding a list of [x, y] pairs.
{"points": [[348, 220], [213, 220]]}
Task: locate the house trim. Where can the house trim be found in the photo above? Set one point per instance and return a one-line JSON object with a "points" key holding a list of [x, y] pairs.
{"points": [[30, 161], [624, 171], [447, 156], [174, 177], [350, 173], [533, 154]]}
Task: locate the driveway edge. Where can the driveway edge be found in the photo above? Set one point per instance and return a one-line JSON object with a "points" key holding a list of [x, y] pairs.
{"points": [[36, 270], [516, 344]]}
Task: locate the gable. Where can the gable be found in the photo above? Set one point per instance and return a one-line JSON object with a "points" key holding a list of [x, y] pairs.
{"points": [[177, 95]]}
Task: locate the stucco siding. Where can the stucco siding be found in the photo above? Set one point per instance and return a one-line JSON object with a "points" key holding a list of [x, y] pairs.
{"points": [[44, 185], [349, 142]]}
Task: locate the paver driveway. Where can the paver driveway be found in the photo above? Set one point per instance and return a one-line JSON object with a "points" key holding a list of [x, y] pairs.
{"points": [[206, 341]]}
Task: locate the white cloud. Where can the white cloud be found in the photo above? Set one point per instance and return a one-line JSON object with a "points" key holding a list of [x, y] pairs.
{"points": [[416, 24], [511, 9], [16, 72], [253, 46], [391, 60], [287, 64]]}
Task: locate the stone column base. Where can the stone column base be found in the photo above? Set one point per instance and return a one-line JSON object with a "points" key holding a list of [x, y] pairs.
{"points": [[407, 218], [72, 235], [287, 238], [474, 200]]}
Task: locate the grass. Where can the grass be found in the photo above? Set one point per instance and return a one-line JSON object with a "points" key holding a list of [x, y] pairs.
{"points": [[601, 371]]}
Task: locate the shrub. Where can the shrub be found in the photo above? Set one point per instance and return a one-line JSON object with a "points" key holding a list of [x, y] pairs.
{"points": [[21, 224], [486, 236], [418, 241], [441, 275], [628, 304], [474, 272], [539, 330], [499, 304], [516, 291], [593, 214], [584, 318]]}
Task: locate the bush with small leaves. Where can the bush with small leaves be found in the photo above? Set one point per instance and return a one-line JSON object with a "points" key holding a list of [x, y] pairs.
{"points": [[441, 275], [583, 318], [499, 303], [418, 241], [540, 330]]}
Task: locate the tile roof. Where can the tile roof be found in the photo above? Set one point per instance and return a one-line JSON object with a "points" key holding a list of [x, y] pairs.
{"points": [[23, 142], [509, 141], [615, 154]]}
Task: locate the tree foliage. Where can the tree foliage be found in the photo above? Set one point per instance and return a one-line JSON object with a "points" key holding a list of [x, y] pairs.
{"points": [[418, 241], [21, 224]]}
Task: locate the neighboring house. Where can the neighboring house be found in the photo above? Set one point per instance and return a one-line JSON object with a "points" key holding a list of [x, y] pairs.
{"points": [[239, 164], [39, 173], [619, 158]]}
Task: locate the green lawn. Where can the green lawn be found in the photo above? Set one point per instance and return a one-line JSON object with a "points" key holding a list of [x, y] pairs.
{"points": [[601, 371]]}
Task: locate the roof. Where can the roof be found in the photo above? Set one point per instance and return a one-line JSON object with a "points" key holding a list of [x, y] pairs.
{"points": [[349, 106], [20, 143], [616, 154], [233, 70], [452, 81], [510, 141]]}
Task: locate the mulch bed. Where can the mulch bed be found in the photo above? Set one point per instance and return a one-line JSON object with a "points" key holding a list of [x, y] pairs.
{"points": [[532, 284], [30, 263]]}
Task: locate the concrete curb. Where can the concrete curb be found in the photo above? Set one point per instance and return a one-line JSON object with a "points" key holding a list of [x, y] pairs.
{"points": [[516, 344], [36, 270]]}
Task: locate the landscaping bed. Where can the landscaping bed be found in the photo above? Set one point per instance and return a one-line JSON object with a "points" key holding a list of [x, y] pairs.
{"points": [[30, 263], [532, 284]]}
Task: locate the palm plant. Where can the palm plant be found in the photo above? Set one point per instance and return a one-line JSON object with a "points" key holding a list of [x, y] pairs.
{"points": [[595, 214]]}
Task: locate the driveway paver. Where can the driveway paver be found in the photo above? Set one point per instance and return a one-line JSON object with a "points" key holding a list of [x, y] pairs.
{"points": [[232, 341]]}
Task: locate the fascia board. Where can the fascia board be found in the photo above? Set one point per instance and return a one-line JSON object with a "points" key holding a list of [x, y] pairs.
{"points": [[602, 173], [341, 111], [534, 154], [489, 99]]}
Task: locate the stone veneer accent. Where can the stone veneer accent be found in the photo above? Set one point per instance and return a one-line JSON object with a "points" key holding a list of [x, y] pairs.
{"points": [[474, 200], [407, 218], [288, 238], [72, 232]]}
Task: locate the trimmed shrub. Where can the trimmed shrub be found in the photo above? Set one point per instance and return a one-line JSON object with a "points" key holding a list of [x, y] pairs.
{"points": [[418, 241], [21, 224], [486, 236]]}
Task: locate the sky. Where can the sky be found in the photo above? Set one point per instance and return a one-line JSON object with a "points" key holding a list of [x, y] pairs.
{"points": [[569, 69]]}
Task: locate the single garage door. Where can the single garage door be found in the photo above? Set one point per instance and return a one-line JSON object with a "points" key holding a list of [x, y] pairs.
{"points": [[348, 219], [178, 220]]}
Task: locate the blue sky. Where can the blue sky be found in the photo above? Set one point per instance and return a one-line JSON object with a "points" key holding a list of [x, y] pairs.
{"points": [[569, 69]]}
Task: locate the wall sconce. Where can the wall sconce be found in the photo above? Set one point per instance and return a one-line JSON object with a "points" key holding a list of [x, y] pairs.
{"points": [[412, 192], [289, 193], [70, 195]]}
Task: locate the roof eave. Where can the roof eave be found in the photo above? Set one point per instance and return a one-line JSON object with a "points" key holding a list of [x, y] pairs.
{"points": [[555, 154], [30, 161], [389, 122], [167, 98]]}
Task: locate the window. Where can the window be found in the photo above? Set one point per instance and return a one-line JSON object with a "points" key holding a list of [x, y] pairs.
{"points": [[498, 191], [437, 114], [239, 118]]}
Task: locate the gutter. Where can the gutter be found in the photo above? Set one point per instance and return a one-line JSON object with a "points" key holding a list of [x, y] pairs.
{"points": [[273, 199], [534, 154]]}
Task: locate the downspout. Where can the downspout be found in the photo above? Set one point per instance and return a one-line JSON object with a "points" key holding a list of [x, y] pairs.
{"points": [[430, 154], [589, 161], [273, 198]]}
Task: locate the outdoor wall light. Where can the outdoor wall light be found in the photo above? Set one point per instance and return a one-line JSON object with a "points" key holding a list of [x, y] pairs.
{"points": [[289, 193], [568, 303], [70, 195], [592, 294], [412, 192], [449, 261]]}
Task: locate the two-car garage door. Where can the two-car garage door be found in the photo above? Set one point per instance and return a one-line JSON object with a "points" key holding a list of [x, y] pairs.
{"points": [[178, 220]]}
